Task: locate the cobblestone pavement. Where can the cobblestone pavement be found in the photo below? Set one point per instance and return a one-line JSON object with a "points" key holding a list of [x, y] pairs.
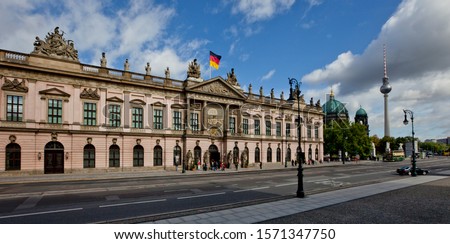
{"points": [[427, 203]]}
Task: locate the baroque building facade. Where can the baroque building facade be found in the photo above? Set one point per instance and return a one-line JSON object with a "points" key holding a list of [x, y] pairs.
{"points": [[58, 115]]}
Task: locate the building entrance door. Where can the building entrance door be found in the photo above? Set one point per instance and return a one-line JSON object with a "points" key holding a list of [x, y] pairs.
{"points": [[214, 153], [54, 158]]}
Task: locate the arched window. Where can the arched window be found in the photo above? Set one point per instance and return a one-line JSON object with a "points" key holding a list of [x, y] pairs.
{"points": [[235, 155], [114, 156], [138, 156], [288, 154], [197, 154], [257, 155], [177, 155], [278, 154], [157, 155], [13, 151], [309, 154], [269, 155], [317, 153], [89, 156]]}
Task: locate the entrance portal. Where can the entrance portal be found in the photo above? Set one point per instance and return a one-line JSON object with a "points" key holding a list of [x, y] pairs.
{"points": [[54, 158], [214, 153]]}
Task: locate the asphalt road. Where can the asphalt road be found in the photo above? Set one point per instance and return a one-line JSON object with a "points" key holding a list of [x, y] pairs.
{"points": [[422, 204]]}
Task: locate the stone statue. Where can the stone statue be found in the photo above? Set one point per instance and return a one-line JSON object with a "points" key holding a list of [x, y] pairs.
{"points": [[272, 94], [231, 78], [126, 65], [311, 101], [148, 69], [56, 46], [167, 73], [206, 157], [193, 70], [244, 158], [318, 103], [261, 92], [103, 60], [282, 95], [230, 158], [189, 159], [250, 89]]}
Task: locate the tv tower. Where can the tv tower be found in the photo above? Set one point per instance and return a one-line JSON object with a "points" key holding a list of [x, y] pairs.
{"points": [[385, 89]]}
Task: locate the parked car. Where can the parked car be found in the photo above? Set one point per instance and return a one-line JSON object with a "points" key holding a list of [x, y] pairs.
{"points": [[406, 170]]}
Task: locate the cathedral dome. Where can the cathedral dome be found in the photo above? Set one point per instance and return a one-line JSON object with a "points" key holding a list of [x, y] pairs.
{"points": [[334, 107], [361, 112]]}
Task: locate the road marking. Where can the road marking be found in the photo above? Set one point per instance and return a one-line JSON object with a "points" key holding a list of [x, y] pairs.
{"points": [[287, 184], [204, 195], [39, 213], [252, 189], [131, 203], [30, 202]]}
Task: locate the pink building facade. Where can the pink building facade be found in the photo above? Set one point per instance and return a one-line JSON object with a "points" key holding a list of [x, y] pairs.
{"points": [[58, 115]]}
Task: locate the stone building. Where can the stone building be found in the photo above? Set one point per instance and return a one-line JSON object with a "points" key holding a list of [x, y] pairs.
{"points": [[58, 115]]}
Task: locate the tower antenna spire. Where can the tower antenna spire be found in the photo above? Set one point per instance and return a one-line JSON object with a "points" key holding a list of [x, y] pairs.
{"points": [[384, 61]]}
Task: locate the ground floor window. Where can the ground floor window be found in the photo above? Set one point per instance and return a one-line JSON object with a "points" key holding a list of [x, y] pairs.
{"points": [[138, 156], [89, 156], [157, 156], [114, 156], [13, 153]]}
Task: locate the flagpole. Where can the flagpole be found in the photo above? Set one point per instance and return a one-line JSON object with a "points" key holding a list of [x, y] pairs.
{"points": [[210, 72]]}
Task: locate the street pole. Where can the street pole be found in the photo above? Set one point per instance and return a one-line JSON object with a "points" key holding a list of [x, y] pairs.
{"points": [[405, 122], [293, 81]]}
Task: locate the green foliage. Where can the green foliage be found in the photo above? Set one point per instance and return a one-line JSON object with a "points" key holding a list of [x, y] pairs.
{"points": [[347, 137]]}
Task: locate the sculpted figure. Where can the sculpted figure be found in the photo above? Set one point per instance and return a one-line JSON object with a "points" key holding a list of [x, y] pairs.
{"points": [[103, 60], [193, 69]]}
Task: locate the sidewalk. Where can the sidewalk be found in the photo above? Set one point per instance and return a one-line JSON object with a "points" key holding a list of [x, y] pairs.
{"points": [[80, 176], [267, 211]]}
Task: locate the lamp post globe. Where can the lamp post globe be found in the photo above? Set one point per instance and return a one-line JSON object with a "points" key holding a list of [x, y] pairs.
{"points": [[297, 91]]}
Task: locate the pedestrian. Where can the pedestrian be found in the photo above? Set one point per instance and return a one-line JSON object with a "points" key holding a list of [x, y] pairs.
{"points": [[260, 165], [292, 162]]}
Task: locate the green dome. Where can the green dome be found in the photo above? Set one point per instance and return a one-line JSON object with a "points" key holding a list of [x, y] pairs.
{"points": [[361, 112], [333, 106]]}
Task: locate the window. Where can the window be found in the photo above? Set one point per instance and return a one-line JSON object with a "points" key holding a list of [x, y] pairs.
{"points": [[158, 119], [14, 108], [257, 155], [308, 131], [157, 156], [268, 128], [90, 114], [114, 156], [232, 125], [269, 155], [177, 155], [12, 156], [138, 156], [89, 156], [245, 126], [176, 120], [114, 115], [194, 122], [197, 154], [257, 127], [316, 131], [288, 130], [137, 118], [54, 111], [278, 128], [278, 154]]}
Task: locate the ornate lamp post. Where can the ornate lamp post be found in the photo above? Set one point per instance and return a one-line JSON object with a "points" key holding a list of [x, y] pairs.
{"points": [[293, 81], [405, 122]]}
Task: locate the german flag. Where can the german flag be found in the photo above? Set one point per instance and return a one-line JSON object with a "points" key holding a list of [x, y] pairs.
{"points": [[214, 60]]}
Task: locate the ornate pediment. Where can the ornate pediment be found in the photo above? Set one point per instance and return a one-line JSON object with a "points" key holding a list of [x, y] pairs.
{"points": [[14, 85], [90, 94], [115, 99], [158, 104], [218, 87], [138, 102], [54, 92], [55, 45]]}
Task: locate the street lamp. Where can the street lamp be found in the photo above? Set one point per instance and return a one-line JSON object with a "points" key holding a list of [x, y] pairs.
{"points": [[293, 81], [405, 122]]}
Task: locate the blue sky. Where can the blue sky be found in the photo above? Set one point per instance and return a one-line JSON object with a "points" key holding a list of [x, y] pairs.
{"points": [[323, 43]]}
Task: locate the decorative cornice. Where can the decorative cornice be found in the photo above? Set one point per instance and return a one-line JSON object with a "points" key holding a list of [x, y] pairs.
{"points": [[114, 99], [54, 92], [138, 102]]}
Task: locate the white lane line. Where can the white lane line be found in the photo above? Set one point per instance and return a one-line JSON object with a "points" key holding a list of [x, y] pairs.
{"points": [[39, 213], [253, 189], [287, 184], [131, 203], [204, 195]]}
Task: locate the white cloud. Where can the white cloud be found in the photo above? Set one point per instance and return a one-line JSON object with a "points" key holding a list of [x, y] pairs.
{"points": [[268, 75], [418, 58], [258, 10]]}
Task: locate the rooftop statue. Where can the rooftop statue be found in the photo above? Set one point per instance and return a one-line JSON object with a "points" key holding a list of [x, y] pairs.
{"points": [[193, 70], [231, 78], [55, 45]]}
